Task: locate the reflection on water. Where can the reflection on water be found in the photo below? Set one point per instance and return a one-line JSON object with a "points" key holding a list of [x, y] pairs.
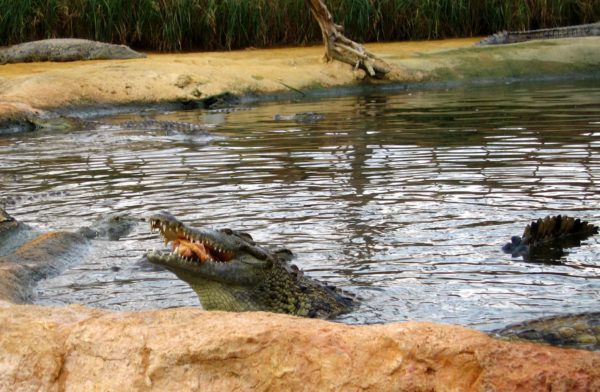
{"points": [[403, 199]]}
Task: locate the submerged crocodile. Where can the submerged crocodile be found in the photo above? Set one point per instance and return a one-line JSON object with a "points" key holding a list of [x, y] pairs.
{"points": [[229, 271], [65, 49], [56, 121], [544, 240], [40, 119], [27, 256], [511, 37], [303, 117]]}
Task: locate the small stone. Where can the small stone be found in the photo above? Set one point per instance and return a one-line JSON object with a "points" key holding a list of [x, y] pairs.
{"points": [[183, 81]]}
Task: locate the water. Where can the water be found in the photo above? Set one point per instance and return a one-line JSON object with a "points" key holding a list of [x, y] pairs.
{"points": [[403, 199]]}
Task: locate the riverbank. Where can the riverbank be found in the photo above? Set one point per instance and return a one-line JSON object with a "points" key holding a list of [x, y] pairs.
{"points": [[294, 72]]}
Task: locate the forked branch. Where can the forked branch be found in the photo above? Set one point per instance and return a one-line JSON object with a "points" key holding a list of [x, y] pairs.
{"points": [[340, 48]]}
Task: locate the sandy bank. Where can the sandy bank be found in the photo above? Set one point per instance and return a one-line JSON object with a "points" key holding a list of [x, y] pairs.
{"points": [[196, 76]]}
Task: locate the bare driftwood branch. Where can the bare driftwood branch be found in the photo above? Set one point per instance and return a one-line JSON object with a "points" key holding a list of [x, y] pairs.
{"points": [[340, 48]]}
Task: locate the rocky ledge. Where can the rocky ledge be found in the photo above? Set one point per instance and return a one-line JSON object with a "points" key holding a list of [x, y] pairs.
{"points": [[79, 348]]}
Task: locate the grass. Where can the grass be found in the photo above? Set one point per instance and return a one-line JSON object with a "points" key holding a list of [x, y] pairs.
{"points": [[173, 25]]}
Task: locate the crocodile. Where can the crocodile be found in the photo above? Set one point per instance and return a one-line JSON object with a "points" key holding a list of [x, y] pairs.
{"points": [[230, 272], [570, 330], [52, 120], [40, 119], [510, 37], [65, 49], [27, 255], [304, 117]]}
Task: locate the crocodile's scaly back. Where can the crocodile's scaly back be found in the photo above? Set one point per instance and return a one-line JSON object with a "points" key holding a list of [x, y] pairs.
{"points": [[165, 125], [510, 37], [229, 271], [546, 238], [50, 120], [555, 228], [573, 330]]}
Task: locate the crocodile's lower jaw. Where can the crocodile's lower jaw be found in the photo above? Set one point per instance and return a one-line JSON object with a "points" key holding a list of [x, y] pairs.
{"points": [[209, 269], [181, 257]]}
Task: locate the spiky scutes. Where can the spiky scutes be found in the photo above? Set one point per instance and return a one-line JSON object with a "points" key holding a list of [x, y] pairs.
{"points": [[546, 238], [552, 228]]}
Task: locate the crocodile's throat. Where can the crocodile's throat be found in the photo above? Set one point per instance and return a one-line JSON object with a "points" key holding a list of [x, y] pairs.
{"points": [[190, 245]]}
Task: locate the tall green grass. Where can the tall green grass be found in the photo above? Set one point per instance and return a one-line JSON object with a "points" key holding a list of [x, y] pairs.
{"points": [[170, 25]]}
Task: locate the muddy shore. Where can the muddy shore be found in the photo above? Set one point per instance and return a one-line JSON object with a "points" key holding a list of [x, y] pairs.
{"points": [[288, 72]]}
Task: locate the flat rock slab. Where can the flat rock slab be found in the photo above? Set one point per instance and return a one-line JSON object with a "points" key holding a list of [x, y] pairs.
{"points": [[65, 49], [78, 348]]}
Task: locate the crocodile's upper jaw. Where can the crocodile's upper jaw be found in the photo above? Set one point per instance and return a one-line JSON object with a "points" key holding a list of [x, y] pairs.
{"points": [[222, 256], [190, 244]]}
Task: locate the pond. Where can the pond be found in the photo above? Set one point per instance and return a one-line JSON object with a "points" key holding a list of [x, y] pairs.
{"points": [[402, 198]]}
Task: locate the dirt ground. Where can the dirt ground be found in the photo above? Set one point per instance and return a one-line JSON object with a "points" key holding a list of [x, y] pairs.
{"points": [[196, 76]]}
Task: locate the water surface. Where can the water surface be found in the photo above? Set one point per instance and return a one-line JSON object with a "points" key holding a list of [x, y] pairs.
{"points": [[403, 199]]}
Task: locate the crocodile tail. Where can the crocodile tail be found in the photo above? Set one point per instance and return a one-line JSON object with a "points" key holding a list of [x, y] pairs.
{"points": [[554, 228]]}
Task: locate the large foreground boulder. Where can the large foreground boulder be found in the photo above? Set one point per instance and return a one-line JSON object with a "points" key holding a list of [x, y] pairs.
{"points": [[78, 348]]}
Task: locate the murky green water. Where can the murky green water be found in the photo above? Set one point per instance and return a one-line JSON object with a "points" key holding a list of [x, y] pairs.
{"points": [[403, 199]]}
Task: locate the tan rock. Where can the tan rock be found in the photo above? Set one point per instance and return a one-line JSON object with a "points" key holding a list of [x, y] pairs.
{"points": [[78, 348]]}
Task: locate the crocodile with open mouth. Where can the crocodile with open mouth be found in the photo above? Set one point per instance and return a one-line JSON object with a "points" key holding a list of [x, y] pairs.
{"points": [[230, 272]]}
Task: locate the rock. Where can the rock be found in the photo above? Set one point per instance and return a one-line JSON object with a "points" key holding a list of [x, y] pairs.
{"points": [[78, 348]]}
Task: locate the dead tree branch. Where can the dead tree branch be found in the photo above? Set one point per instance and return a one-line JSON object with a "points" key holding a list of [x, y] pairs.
{"points": [[340, 48]]}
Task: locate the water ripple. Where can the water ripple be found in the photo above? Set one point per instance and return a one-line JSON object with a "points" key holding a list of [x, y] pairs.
{"points": [[404, 199]]}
